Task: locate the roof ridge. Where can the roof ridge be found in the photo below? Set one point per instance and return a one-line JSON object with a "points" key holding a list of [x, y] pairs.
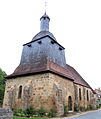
{"points": [[73, 70]]}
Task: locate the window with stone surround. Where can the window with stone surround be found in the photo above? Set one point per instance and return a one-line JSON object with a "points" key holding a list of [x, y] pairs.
{"points": [[76, 90], [84, 92], [80, 93], [87, 96], [20, 92]]}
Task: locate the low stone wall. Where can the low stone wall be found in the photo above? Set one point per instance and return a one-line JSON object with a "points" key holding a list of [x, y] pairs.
{"points": [[6, 113]]}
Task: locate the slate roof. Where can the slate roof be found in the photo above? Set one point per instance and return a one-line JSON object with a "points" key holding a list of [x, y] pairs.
{"points": [[43, 34], [45, 16]]}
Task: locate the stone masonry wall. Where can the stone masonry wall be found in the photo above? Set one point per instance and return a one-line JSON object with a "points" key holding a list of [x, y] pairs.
{"points": [[67, 87], [38, 90], [6, 113], [41, 92], [83, 102]]}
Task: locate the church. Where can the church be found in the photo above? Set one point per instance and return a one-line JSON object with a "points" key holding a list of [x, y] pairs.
{"points": [[44, 79]]}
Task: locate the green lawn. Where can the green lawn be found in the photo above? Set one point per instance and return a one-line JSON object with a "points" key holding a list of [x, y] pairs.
{"points": [[28, 118]]}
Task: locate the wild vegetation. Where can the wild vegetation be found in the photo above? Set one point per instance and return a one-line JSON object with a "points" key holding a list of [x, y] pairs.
{"points": [[89, 107], [27, 118], [2, 85], [31, 112]]}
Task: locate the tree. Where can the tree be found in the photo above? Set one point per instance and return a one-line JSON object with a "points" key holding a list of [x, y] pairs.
{"points": [[2, 85]]}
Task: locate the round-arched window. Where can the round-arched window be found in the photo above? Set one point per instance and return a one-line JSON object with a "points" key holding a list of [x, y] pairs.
{"points": [[20, 92]]}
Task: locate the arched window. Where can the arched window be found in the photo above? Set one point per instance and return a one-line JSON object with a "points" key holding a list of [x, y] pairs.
{"points": [[20, 92], [80, 93], [87, 96]]}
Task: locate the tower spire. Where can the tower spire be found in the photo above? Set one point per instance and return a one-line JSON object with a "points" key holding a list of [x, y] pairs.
{"points": [[44, 21]]}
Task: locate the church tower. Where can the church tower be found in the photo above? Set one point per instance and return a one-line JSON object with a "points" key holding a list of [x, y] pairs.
{"points": [[42, 48], [42, 78]]}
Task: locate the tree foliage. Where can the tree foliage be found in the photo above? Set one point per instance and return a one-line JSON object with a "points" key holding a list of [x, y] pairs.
{"points": [[2, 85]]}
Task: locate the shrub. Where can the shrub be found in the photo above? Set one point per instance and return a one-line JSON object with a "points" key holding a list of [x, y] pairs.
{"points": [[89, 107], [2, 86], [65, 109], [76, 108], [18, 113], [41, 112], [82, 108], [29, 111], [35, 113], [51, 113], [98, 106]]}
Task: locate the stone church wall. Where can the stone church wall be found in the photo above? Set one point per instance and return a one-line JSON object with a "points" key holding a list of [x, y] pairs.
{"points": [[83, 102], [37, 91], [67, 87]]}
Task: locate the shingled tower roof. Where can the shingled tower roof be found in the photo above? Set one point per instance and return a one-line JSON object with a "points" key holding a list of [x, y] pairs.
{"points": [[44, 54]]}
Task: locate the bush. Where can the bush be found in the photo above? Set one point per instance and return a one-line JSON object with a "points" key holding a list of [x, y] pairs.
{"points": [[2, 86], [98, 106], [51, 113], [82, 108], [18, 113], [89, 107], [34, 113], [41, 112], [65, 109], [29, 111], [76, 108]]}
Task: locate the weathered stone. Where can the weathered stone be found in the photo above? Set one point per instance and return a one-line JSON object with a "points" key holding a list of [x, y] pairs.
{"points": [[83, 102], [37, 98], [59, 108], [6, 113], [27, 96], [11, 97]]}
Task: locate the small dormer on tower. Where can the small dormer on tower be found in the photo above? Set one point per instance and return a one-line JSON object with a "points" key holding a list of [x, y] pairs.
{"points": [[43, 48], [44, 22]]}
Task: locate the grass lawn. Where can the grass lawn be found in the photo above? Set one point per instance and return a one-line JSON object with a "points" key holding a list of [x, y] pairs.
{"points": [[29, 118]]}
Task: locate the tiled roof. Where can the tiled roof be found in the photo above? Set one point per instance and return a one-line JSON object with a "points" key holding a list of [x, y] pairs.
{"points": [[49, 66], [77, 77], [42, 66]]}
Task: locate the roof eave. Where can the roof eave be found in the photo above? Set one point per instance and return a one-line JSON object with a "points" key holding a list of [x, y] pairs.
{"points": [[27, 74]]}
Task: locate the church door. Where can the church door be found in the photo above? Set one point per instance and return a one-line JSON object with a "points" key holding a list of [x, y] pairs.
{"points": [[69, 103]]}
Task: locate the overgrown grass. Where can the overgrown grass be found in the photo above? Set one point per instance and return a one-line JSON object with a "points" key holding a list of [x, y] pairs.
{"points": [[31, 112], [28, 118]]}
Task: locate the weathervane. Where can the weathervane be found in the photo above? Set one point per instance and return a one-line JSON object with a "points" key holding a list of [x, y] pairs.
{"points": [[45, 6]]}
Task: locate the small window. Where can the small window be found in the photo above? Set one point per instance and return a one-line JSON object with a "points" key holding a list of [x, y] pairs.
{"points": [[44, 18], [87, 96], [60, 48], [20, 92], [80, 93], [29, 45], [52, 42], [84, 93], [39, 42]]}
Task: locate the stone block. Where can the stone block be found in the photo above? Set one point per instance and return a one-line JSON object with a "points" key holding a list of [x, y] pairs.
{"points": [[6, 113]]}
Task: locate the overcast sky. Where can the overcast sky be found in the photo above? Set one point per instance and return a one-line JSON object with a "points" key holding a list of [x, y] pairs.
{"points": [[76, 24]]}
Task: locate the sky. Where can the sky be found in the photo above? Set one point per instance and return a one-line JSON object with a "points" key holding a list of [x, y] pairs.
{"points": [[76, 24]]}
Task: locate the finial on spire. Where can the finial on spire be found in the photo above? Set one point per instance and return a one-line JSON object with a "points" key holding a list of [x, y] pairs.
{"points": [[44, 25], [45, 6]]}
